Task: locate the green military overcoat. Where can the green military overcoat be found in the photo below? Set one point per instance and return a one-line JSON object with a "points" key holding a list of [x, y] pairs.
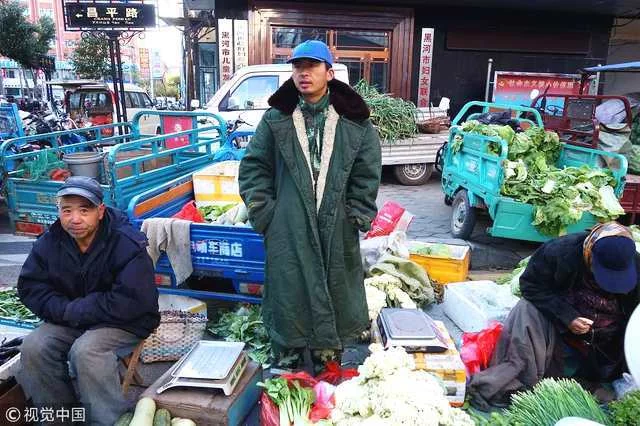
{"points": [[314, 280]]}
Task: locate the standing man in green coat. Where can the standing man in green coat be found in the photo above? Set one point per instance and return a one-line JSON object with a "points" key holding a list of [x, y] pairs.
{"points": [[310, 178]]}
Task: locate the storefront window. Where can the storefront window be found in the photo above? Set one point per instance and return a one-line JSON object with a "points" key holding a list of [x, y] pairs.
{"points": [[365, 53]]}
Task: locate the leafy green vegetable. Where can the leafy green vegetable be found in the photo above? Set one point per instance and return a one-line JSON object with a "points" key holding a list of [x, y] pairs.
{"points": [[245, 325], [633, 158], [626, 411], [12, 307], [394, 118], [293, 401], [513, 278], [559, 196], [551, 400], [211, 213], [438, 250]]}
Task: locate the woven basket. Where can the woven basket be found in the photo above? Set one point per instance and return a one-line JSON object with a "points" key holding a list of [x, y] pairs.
{"points": [[177, 333]]}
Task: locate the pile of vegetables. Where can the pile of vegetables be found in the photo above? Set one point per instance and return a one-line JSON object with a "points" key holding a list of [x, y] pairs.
{"points": [[397, 283], [394, 118], [434, 250], [559, 196], [626, 411], [292, 399], [245, 325], [233, 214], [513, 278], [389, 391], [12, 307], [145, 414]]}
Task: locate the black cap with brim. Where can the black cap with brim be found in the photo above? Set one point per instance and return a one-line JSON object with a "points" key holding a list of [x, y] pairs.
{"points": [[82, 193], [614, 265], [82, 186]]}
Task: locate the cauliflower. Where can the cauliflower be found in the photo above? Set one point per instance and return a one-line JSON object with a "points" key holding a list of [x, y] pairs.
{"points": [[376, 300], [389, 391]]}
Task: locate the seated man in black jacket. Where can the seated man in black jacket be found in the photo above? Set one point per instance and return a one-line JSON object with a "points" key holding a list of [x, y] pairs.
{"points": [[90, 279], [578, 294]]}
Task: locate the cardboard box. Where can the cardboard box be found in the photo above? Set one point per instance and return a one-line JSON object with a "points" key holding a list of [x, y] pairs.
{"points": [[210, 407], [217, 183]]}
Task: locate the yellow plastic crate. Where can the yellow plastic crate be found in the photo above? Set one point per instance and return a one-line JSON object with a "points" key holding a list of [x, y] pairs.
{"points": [[442, 269], [217, 183]]}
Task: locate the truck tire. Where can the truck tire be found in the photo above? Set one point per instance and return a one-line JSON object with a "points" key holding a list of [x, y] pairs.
{"points": [[413, 174], [463, 216]]}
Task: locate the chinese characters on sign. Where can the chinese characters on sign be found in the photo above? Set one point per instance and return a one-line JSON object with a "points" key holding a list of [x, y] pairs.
{"points": [[217, 248], [225, 49], [241, 43], [145, 70], [424, 76], [515, 88], [108, 15]]}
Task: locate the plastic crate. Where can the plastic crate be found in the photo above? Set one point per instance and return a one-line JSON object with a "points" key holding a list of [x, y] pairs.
{"points": [[217, 184], [443, 269]]}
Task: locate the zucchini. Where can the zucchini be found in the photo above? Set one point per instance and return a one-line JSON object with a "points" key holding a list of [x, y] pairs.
{"points": [[145, 410], [162, 418], [182, 422], [124, 419]]}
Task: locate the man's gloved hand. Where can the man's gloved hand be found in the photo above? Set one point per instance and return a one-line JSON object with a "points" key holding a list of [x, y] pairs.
{"points": [[580, 325]]}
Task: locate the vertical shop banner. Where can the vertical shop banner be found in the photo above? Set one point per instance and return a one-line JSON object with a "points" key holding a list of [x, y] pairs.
{"points": [[241, 43], [424, 76], [156, 64], [225, 49], [145, 68]]}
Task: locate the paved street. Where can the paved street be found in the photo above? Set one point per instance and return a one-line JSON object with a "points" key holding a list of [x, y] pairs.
{"points": [[431, 223]]}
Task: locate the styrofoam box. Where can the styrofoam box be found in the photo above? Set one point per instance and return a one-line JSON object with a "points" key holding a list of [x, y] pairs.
{"points": [[11, 367], [471, 305], [173, 302]]}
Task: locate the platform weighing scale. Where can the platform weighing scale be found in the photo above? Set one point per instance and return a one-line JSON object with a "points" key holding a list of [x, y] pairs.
{"points": [[209, 364], [411, 329]]}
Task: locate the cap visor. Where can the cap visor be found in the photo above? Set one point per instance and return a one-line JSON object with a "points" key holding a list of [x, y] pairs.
{"points": [[612, 281], [80, 192], [313, 58]]}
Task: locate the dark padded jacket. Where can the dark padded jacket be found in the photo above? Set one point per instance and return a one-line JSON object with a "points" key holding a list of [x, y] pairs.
{"points": [[111, 285], [556, 267]]}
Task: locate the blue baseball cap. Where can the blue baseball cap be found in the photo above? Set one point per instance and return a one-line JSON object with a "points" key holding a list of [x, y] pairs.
{"points": [[83, 186], [613, 264], [312, 49]]}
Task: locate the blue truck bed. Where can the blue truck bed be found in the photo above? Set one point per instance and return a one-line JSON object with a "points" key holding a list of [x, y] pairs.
{"points": [[234, 253], [132, 165]]}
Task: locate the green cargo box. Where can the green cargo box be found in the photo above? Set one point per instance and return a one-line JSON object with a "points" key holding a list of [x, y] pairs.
{"points": [[513, 220]]}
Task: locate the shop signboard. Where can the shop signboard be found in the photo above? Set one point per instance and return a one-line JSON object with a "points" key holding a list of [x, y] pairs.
{"points": [[145, 69], [225, 49], [424, 75], [156, 64], [241, 43], [519, 88], [108, 15]]}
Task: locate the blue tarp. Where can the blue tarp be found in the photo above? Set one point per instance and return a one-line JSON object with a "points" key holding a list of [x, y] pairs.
{"points": [[625, 67]]}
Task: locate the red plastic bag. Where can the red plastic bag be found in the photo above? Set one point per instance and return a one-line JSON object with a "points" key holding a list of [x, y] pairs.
{"points": [[391, 217], [269, 412], [477, 348], [190, 212], [325, 401], [335, 374]]}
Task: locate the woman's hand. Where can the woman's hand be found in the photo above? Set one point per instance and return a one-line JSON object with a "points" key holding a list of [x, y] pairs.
{"points": [[580, 325]]}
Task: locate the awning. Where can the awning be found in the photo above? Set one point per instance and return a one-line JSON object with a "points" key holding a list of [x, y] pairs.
{"points": [[624, 67]]}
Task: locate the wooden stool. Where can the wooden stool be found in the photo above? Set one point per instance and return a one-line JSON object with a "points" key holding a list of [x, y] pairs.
{"points": [[130, 363]]}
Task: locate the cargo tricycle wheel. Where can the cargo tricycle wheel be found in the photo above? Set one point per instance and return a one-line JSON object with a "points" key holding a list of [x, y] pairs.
{"points": [[463, 216], [413, 174]]}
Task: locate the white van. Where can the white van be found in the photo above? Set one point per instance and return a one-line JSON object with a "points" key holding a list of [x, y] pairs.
{"points": [[248, 91], [93, 103]]}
